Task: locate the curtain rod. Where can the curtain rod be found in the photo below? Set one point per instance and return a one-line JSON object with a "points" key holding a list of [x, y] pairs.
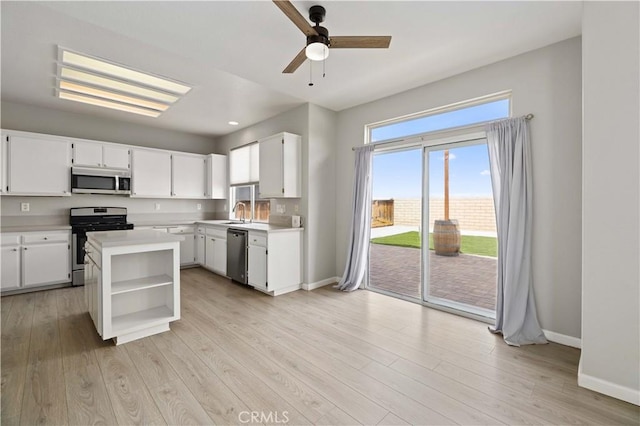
{"points": [[526, 117]]}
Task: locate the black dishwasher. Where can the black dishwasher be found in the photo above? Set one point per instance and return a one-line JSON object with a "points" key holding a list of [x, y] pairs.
{"points": [[237, 255]]}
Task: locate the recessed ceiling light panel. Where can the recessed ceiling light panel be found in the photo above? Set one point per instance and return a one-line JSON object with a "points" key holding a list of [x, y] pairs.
{"points": [[107, 104], [233, 123], [94, 81]]}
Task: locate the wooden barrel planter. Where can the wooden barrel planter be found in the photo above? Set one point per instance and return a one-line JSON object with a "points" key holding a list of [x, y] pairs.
{"points": [[446, 237]]}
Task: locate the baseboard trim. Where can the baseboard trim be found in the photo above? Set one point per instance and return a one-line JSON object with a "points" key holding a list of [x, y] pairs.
{"points": [[605, 387], [563, 339], [318, 284]]}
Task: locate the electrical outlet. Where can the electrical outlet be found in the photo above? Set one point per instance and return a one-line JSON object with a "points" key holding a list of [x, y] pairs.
{"points": [[225, 207], [198, 206], [296, 208], [156, 206], [24, 207]]}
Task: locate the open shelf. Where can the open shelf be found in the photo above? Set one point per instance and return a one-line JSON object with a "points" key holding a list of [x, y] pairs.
{"points": [[137, 284], [141, 318]]}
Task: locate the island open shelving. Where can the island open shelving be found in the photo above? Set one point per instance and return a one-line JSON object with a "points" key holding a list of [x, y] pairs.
{"points": [[132, 283]]}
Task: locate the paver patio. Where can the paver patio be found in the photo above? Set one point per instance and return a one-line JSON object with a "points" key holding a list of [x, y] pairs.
{"points": [[465, 278]]}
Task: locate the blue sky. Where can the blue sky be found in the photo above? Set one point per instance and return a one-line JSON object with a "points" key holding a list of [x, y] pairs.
{"points": [[399, 174]]}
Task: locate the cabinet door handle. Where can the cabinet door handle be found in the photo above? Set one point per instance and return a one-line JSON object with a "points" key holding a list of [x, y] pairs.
{"points": [[25, 248], [15, 249], [45, 238]]}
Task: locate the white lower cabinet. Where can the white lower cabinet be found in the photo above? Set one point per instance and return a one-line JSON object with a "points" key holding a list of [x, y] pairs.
{"points": [[275, 261], [200, 246], [10, 275], [216, 250], [33, 259], [188, 245], [45, 263], [132, 283]]}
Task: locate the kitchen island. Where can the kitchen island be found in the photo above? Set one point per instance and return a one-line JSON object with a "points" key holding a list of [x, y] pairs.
{"points": [[132, 282]]}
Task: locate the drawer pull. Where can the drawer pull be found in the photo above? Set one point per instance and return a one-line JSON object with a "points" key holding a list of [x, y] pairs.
{"points": [[15, 249], [45, 238]]}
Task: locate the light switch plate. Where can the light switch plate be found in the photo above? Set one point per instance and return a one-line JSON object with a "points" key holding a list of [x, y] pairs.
{"points": [[24, 207], [156, 206], [199, 206], [296, 208]]}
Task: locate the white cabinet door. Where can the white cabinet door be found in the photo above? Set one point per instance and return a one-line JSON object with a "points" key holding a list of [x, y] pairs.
{"points": [[10, 274], [87, 154], [115, 157], [188, 176], [258, 267], [280, 166], [200, 249], [220, 256], [187, 249], [271, 167], [39, 166], [151, 173], [217, 187], [45, 263], [216, 255], [95, 154]]}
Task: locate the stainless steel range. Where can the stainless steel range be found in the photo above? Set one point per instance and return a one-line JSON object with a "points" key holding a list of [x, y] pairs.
{"points": [[89, 219]]}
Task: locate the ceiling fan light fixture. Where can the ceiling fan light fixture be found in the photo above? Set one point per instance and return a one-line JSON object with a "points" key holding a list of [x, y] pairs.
{"points": [[317, 51]]}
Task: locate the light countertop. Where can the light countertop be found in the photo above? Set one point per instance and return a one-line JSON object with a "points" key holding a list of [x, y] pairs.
{"points": [[35, 228], [131, 237], [265, 227]]}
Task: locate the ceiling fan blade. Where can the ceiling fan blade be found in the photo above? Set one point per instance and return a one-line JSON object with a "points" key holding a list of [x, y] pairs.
{"points": [[292, 13], [297, 61], [348, 42]]}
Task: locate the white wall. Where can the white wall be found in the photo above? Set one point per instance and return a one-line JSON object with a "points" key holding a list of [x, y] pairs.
{"points": [[317, 126], [610, 360], [321, 184], [547, 83]]}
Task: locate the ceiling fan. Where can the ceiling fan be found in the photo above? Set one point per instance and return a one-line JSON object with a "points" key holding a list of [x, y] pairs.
{"points": [[318, 40]]}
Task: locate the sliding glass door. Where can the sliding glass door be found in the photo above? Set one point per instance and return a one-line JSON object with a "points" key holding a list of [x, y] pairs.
{"points": [[460, 267], [433, 235], [395, 254]]}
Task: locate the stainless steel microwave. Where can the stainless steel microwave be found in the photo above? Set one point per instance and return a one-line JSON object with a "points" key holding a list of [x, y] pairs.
{"points": [[89, 180]]}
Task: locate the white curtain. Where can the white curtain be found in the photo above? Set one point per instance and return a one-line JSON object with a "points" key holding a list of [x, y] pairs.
{"points": [[510, 159], [360, 231]]}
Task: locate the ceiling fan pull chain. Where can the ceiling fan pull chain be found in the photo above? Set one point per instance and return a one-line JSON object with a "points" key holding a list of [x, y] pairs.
{"points": [[310, 73], [324, 61]]}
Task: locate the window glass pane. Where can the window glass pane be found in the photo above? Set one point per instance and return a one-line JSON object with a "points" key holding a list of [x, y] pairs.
{"points": [[262, 207], [460, 117]]}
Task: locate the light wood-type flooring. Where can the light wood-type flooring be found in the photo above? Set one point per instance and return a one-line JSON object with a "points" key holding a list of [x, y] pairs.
{"points": [[321, 357]]}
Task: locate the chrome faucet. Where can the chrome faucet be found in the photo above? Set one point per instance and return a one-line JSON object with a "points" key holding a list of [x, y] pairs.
{"points": [[244, 208]]}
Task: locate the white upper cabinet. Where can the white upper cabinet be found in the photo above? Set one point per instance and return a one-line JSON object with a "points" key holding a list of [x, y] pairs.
{"points": [[151, 173], [217, 176], [280, 166], [116, 157], [93, 154], [189, 176], [38, 165]]}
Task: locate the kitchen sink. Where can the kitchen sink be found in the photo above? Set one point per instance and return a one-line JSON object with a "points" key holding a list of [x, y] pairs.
{"points": [[234, 222]]}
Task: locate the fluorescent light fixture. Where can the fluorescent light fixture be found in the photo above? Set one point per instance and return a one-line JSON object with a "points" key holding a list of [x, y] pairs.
{"points": [[104, 67], [107, 104], [99, 93], [234, 123], [107, 83]]}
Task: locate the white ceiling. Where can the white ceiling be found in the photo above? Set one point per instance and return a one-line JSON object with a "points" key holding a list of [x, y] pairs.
{"points": [[233, 52]]}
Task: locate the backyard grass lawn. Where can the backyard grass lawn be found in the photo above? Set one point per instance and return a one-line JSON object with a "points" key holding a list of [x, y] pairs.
{"points": [[469, 244]]}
